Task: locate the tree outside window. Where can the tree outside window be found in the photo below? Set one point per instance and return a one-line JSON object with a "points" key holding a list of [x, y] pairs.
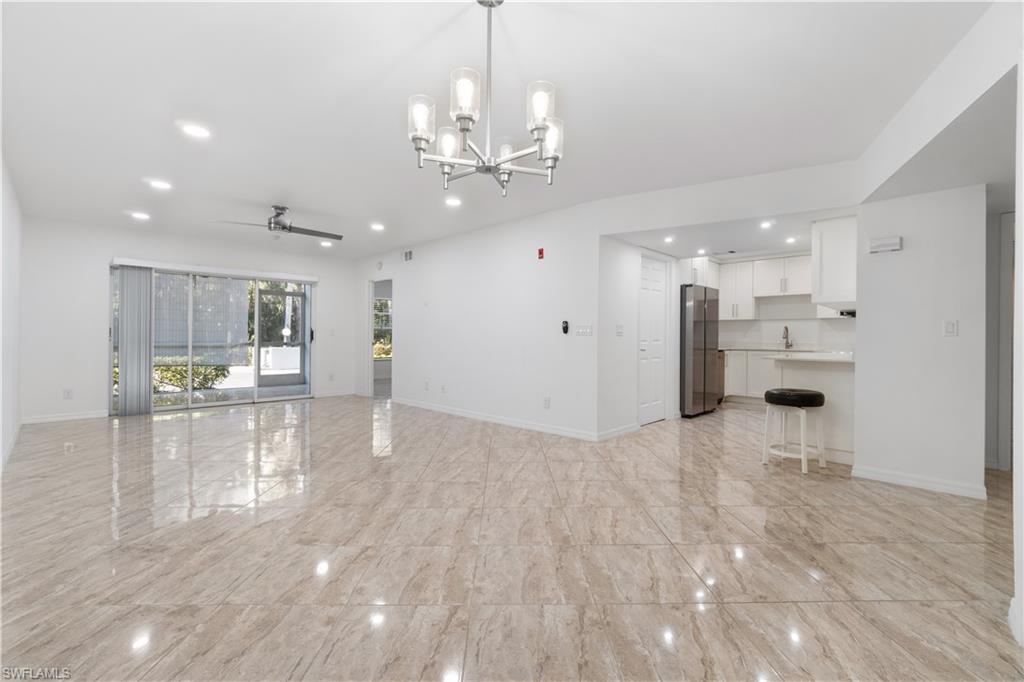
{"points": [[382, 328]]}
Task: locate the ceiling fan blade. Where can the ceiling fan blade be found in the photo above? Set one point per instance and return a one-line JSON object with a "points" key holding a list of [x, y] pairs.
{"points": [[239, 222], [315, 233]]}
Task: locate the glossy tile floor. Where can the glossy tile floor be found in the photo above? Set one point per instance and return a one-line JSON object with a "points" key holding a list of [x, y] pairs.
{"points": [[349, 539]]}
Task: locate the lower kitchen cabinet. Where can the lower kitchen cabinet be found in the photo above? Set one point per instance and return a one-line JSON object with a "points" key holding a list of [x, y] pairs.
{"points": [[735, 372]]}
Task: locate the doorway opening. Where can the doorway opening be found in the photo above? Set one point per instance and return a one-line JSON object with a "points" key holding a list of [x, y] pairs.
{"points": [[381, 310]]}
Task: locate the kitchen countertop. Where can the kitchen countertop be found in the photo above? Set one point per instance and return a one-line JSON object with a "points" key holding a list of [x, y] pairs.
{"points": [[778, 347], [844, 356]]}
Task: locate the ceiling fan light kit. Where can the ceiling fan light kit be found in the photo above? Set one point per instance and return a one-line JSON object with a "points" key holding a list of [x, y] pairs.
{"points": [[548, 132]]}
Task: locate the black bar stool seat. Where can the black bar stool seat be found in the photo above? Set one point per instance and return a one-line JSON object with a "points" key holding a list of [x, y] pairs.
{"points": [[794, 397]]}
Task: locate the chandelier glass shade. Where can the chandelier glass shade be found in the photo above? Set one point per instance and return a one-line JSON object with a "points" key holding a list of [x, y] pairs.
{"points": [[496, 158]]}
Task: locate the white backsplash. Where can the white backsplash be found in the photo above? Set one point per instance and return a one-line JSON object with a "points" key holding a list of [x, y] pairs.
{"points": [[824, 334]]}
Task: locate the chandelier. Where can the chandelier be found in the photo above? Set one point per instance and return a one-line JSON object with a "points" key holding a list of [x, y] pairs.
{"points": [[450, 142]]}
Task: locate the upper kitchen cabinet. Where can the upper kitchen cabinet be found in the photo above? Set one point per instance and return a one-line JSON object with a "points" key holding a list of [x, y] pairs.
{"points": [[782, 276], [699, 270], [736, 291], [834, 263]]}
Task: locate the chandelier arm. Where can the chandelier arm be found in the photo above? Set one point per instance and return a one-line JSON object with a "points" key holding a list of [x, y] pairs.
{"points": [[476, 150], [516, 155], [498, 180], [462, 174], [527, 170], [454, 162]]}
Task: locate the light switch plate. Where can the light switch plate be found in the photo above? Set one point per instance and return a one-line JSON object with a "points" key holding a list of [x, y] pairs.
{"points": [[584, 330], [619, 330], [951, 328]]}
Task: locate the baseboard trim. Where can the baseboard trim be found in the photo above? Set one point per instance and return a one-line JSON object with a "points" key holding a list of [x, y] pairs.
{"points": [[494, 419], [333, 394], [64, 417], [1014, 618], [619, 431], [927, 483]]}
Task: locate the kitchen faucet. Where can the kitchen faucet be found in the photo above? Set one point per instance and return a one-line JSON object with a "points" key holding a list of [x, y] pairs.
{"points": [[785, 337]]}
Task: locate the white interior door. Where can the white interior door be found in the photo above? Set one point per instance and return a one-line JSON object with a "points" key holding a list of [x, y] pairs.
{"points": [[651, 351]]}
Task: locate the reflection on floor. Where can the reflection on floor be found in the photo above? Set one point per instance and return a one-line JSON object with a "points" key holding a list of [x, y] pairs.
{"points": [[344, 538], [382, 388]]}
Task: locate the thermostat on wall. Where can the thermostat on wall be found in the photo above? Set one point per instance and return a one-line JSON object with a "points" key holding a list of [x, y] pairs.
{"points": [[885, 244]]}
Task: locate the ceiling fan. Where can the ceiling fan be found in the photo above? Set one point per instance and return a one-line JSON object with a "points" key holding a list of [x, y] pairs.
{"points": [[278, 223]]}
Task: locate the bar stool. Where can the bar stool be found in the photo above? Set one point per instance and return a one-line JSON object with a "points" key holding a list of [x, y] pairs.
{"points": [[785, 401]]}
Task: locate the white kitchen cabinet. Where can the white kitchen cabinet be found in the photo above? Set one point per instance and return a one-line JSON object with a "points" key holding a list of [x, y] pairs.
{"points": [[834, 262], [736, 291], [714, 275], [762, 373], [698, 270], [768, 276], [796, 278], [735, 372], [782, 276]]}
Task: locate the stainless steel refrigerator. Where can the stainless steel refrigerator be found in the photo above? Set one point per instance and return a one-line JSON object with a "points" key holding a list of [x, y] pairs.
{"points": [[700, 383]]}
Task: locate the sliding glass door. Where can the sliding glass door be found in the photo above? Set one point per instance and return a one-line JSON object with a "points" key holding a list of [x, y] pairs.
{"points": [[223, 351], [170, 339], [218, 340], [283, 340]]}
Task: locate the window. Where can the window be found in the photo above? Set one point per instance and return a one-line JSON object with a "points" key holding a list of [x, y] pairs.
{"points": [[382, 328]]}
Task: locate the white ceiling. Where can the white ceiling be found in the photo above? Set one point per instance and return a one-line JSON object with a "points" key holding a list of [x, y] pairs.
{"points": [[978, 147], [736, 239], [307, 103]]}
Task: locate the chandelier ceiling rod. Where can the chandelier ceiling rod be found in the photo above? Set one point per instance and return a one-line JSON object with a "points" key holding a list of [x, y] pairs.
{"points": [[487, 85], [548, 131]]}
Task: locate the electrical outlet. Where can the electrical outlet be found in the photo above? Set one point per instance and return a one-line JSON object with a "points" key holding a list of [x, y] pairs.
{"points": [[620, 330], [426, 385], [330, 377], [547, 402], [951, 328], [69, 394], [443, 389]]}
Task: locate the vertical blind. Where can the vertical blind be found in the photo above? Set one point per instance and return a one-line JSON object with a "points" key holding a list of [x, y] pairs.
{"points": [[134, 334]]}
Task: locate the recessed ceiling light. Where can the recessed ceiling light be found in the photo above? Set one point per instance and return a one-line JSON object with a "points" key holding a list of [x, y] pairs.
{"points": [[194, 130], [790, 240], [765, 224], [669, 240], [326, 244], [159, 184], [139, 215], [701, 252], [453, 201], [377, 227]]}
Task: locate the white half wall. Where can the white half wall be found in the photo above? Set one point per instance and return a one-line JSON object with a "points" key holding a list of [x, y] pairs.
{"points": [[920, 395], [10, 300], [66, 309]]}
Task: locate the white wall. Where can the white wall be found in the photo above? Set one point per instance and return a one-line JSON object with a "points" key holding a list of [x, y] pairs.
{"points": [[477, 325], [10, 300], [66, 309], [920, 396], [618, 293]]}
